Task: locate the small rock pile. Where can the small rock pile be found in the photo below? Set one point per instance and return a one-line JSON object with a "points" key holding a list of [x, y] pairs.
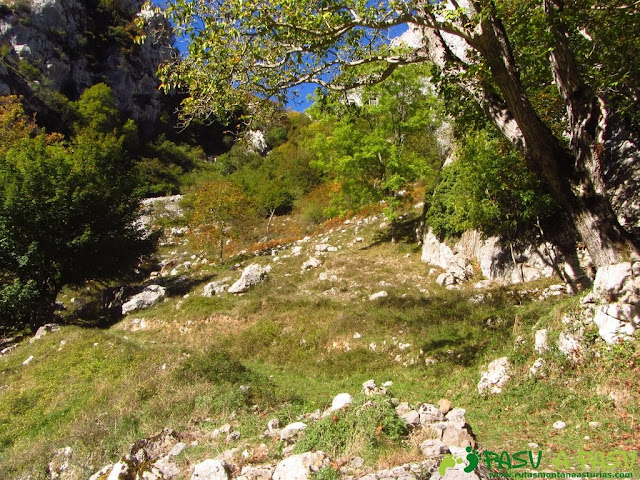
{"points": [[444, 427]]}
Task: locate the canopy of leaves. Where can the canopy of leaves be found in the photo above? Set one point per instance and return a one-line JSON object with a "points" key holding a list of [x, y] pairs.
{"points": [[382, 141], [249, 52]]}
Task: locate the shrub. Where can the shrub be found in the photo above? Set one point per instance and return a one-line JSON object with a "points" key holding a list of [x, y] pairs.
{"points": [[488, 188], [361, 429]]}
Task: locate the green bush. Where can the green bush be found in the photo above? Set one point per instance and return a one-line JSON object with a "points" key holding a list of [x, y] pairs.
{"points": [[362, 428], [215, 366], [488, 188]]}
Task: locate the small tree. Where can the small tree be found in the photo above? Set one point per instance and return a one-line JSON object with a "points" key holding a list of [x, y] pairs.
{"points": [[221, 211], [488, 188]]}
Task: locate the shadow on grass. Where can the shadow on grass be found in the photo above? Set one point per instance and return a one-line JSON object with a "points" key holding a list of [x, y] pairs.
{"points": [[403, 231], [462, 351], [103, 308]]}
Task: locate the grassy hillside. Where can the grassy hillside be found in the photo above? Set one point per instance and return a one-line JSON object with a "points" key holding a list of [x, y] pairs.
{"points": [[298, 340]]}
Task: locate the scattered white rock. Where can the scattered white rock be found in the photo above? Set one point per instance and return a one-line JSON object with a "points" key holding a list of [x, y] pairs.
{"points": [[536, 367], [616, 321], [180, 269], [496, 376], [569, 344], [43, 330], [113, 472], [177, 449], [300, 467], [378, 295], [213, 288], [251, 276], [292, 430], [311, 263], [559, 425], [370, 388], [210, 470], [341, 401], [541, 344], [145, 299]]}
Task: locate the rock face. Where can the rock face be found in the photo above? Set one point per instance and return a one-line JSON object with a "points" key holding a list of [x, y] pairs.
{"points": [[256, 142], [496, 262], [50, 46], [614, 304], [145, 299], [251, 276]]}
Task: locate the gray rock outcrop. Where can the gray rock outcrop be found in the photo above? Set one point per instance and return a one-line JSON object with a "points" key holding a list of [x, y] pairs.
{"points": [[614, 304], [496, 262], [211, 470], [300, 467], [145, 299], [215, 288], [251, 276], [495, 377]]}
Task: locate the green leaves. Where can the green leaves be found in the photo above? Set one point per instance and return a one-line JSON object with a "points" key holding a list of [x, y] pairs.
{"points": [[488, 188], [248, 53], [383, 144], [67, 214]]}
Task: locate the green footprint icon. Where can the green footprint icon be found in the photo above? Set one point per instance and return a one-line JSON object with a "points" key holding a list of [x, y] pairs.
{"points": [[447, 462], [472, 458]]}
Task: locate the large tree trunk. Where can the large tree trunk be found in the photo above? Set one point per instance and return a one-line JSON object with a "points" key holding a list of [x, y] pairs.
{"points": [[607, 155], [574, 184], [580, 176]]}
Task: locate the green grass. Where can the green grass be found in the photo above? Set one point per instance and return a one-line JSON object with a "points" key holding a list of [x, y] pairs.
{"points": [[292, 344]]}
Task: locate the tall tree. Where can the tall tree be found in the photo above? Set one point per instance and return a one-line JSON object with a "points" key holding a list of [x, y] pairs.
{"points": [[251, 51], [67, 215], [383, 141]]}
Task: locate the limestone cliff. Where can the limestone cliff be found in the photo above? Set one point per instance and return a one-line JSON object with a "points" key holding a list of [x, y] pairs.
{"points": [[53, 50]]}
